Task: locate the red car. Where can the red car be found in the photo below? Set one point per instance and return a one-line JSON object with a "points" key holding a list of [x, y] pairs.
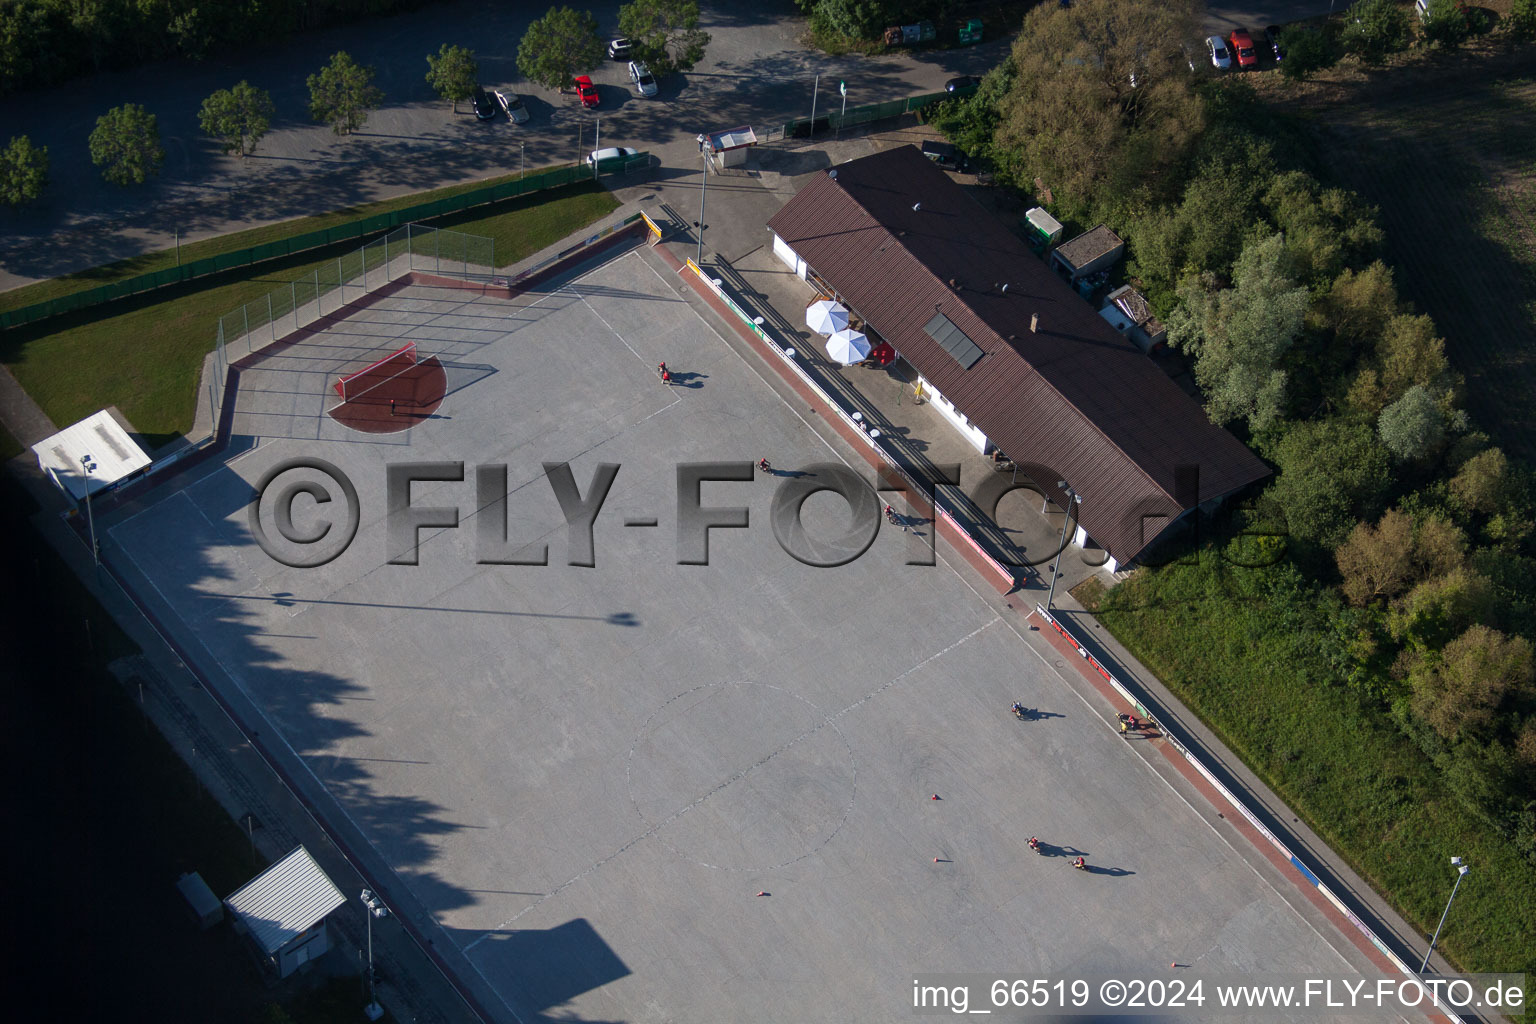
{"points": [[1242, 49], [586, 91]]}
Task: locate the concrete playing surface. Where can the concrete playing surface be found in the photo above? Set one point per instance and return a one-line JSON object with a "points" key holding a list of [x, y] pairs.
{"points": [[584, 776]]}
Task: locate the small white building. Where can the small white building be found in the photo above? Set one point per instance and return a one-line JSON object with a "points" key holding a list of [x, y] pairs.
{"points": [[283, 910], [731, 148], [97, 448]]}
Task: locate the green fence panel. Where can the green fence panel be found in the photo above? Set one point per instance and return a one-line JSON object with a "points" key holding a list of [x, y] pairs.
{"points": [[374, 224]]}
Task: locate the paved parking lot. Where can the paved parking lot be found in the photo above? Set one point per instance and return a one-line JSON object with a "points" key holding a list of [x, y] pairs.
{"points": [[577, 781]]}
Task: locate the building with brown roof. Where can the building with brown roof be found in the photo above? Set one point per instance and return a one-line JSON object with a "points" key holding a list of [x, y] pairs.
{"points": [[1017, 359]]}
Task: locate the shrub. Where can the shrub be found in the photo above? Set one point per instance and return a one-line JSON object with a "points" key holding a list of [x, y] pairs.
{"points": [[1374, 28]]}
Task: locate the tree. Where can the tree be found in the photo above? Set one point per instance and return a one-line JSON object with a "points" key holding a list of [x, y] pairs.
{"points": [[125, 144], [1408, 353], [453, 73], [558, 46], [1522, 19], [1374, 28], [664, 33], [1481, 482], [1459, 692], [1307, 51], [1412, 426], [1377, 561], [23, 171], [1325, 229], [857, 19], [1440, 607], [342, 93], [1446, 23], [1333, 473], [237, 117], [1102, 109], [1238, 335], [1359, 304]]}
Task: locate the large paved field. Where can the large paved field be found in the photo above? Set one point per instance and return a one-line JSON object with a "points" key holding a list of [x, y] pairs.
{"points": [[581, 778]]}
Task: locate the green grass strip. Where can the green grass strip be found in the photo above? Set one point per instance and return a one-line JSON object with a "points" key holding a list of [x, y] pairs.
{"points": [[150, 262]]}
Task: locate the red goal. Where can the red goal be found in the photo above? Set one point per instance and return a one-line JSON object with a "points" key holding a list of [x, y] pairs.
{"points": [[354, 385]]}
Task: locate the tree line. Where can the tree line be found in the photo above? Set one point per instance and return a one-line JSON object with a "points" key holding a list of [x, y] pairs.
{"points": [[125, 144], [1410, 531], [46, 42]]}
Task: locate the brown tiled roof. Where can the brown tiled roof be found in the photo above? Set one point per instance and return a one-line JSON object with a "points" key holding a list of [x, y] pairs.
{"points": [[1075, 401]]}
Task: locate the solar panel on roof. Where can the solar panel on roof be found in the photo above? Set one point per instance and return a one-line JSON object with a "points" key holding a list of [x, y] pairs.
{"points": [[953, 340]]}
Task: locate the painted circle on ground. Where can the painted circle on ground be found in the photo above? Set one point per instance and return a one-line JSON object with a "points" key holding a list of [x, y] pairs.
{"points": [[742, 776]]}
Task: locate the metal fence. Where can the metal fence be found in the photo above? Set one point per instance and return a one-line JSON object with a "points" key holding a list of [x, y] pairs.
{"points": [[336, 282], [313, 240], [834, 120]]}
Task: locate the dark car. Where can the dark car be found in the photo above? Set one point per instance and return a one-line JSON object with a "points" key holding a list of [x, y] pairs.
{"points": [[1272, 36], [485, 107], [963, 82], [946, 156]]}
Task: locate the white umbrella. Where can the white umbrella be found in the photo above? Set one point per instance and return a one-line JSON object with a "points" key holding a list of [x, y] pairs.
{"points": [[826, 317], [848, 347]]}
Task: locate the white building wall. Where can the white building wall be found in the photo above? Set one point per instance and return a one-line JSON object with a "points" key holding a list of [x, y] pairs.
{"points": [[956, 418], [788, 257]]}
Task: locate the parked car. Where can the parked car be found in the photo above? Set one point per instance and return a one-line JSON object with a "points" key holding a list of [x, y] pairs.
{"points": [[512, 103], [1242, 46], [618, 49], [946, 156], [1272, 34], [963, 82], [485, 107], [586, 91], [610, 153], [645, 82], [1218, 50]]}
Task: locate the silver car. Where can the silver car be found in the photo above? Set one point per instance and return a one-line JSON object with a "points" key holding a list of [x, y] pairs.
{"points": [[645, 82], [512, 103]]}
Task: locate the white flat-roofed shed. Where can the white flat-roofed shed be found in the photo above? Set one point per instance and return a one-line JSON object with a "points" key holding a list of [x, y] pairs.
{"points": [[283, 910], [729, 148], [100, 440]]}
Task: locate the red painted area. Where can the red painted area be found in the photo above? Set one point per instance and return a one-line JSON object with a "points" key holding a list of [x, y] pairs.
{"points": [[398, 402]]}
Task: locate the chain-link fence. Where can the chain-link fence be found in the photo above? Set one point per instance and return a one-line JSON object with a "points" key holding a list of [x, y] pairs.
{"points": [[331, 285], [314, 239], [835, 120]]}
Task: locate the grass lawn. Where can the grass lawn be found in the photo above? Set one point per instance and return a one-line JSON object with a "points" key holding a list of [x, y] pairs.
{"points": [[144, 354], [1253, 654], [109, 817], [152, 261]]}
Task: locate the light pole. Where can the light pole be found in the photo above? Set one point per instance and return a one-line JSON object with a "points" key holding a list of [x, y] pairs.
{"points": [[89, 465], [842, 87], [376, 908], [1461, 869], [815, 89], [703, 187], [1076, 499], [519, 161]]}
